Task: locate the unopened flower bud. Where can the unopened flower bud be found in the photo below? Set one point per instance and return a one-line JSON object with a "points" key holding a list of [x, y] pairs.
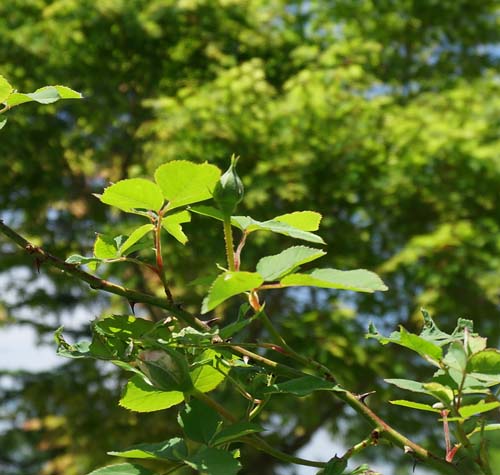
{"points": [[229, 191]]}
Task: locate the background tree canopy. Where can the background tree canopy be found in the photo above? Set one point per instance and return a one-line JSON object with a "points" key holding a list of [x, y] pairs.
{"points": [[382, 115]]}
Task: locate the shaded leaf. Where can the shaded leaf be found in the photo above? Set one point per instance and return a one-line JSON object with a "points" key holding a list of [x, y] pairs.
{"points": [[199, 421], [335, 466], [79, 260], [174, 449], [124, 326], [302, 386], [485, 365], [123, 469], [210, 461], [235, 431]]}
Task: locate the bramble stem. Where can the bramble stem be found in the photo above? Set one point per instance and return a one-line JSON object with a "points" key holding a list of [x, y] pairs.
{"points": [[160, 270], [228, 239], [355, 402]]}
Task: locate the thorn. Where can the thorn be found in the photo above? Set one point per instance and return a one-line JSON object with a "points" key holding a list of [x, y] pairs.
{"points": [[362, 397], [132, 306], [211, 321], [38, 262]]}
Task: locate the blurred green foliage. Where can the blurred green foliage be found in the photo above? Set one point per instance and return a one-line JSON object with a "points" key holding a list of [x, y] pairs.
{"points": [[382, 115]]}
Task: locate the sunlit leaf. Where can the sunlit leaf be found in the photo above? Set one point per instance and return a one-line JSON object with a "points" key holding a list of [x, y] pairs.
{"points": [[44, 95], [183, 183], [139, 396], [105, 247], [172, 224], [133, 193], [359, 280], [274, 267], [304, 220], [415, 405], [5, 89], [249, 225], [479, 408], [136, 236], [229, 284]]}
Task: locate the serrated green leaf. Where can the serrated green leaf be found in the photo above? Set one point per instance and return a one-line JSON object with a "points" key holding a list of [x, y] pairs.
{"points": [[105, 247], [420, 345], [485, 365], [242, 321], [210, 461], [235, 431], [124, 326], [359, 280], [245, 223], [228, 285], [486, 362], [415, 405], [5, 89], [439, 391], [208, 211], [304, 220], [78, 350], [140, 396], [166, 369], [475, 344], [274, 267], [423, 347], [199, 421], [133, 193], [479, 408], [172, 224], [174, 449], [67, 93], [335, 466], [137, 235], [408, 384], [302, 386], [43, 95], [183, 183], [206, 378], [123, 469], [456, 357]]}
